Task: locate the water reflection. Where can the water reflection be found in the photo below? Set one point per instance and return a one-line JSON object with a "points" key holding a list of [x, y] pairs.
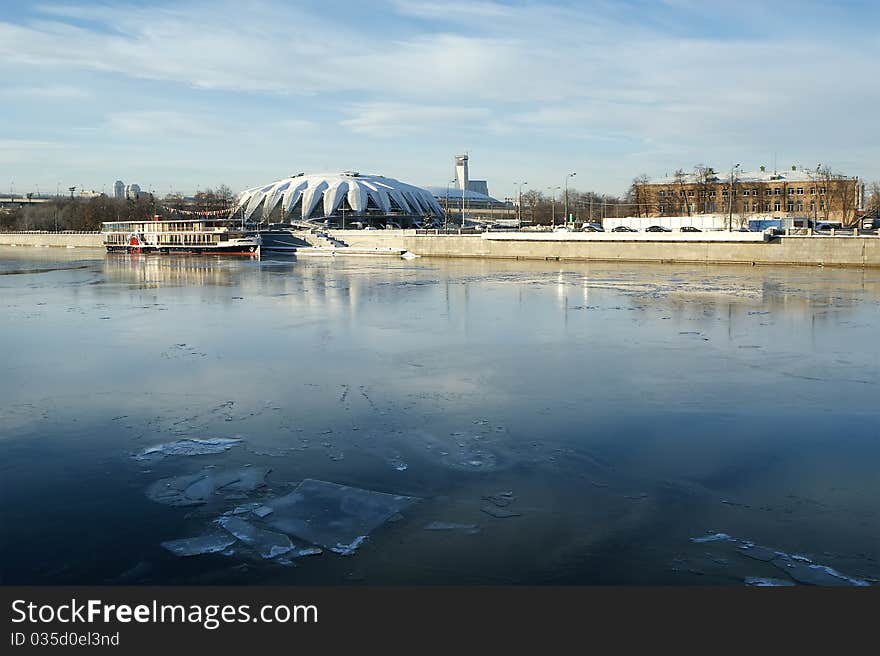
{"points": [[584, 421]]}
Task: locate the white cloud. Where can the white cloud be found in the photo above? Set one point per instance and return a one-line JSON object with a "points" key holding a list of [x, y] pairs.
{"points": [[162, 123], [640, 78], [46, 92], [382, 119]]}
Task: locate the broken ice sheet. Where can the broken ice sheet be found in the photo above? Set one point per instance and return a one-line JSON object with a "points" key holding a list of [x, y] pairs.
{"points": [[189, 447], [200, 488], [268, 544], [203, 544], [336, 517], [762, 582], [814, 574]]}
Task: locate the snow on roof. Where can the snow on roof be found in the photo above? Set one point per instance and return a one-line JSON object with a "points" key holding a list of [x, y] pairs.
{"points": [[801, 175], [321, 194], [455, 193]]}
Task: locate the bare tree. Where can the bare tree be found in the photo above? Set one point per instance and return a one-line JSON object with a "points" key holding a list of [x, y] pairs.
{"points": [[705, 176], [639, 195], [682, 205]]}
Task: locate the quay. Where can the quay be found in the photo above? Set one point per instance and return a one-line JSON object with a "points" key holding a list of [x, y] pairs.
{"points": [[860, 251]]}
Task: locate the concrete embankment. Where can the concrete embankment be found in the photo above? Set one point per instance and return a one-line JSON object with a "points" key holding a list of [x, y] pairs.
{"points": [[53, 239], [842, 251]]}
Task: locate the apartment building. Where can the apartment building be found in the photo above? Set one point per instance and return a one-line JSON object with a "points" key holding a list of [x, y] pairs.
{"points": [[796, 193]]}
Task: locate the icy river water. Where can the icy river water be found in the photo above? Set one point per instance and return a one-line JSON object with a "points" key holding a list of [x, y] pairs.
{"points": [[378, 421]]}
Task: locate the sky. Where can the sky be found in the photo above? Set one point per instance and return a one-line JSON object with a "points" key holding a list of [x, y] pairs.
{"points": [[190, 94]]}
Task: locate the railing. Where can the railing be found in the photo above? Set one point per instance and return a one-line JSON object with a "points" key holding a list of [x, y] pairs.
{"points": [[50, 232]]}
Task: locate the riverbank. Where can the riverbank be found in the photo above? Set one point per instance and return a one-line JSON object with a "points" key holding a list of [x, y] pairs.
{"points": [[52, 239], [838, 251]]}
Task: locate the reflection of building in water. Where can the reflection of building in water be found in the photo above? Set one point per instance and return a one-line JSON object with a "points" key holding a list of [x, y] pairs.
{"points": [[156, 271]]}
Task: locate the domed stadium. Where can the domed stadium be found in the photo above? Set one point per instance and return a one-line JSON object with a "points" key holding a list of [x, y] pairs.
{"points": [[341, 198]]}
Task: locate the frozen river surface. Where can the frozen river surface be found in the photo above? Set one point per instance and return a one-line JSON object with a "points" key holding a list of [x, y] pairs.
{"points": [[381, 421]]}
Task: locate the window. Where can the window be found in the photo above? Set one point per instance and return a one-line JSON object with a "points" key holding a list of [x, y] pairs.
{"points": [[800, 191], [777, 191], [690, 192], [755, 207], [767, 192], [724, 193], [790, 191], [812, 205], [777, 206], [812, 190], [790, 206], [822, 190], [800, 206]]}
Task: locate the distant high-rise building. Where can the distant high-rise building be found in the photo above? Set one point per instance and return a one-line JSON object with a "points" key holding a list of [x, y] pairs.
{"points": [[132, 191], [119, 189]]}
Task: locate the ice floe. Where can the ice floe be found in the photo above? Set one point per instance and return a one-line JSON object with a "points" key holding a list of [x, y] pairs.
{"points": [[268, 544], [215, 542], [336, 517], [202, 487], [799, 567], [189, 447]]}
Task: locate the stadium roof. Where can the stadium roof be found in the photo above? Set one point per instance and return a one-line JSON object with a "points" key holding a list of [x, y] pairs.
{"points": [[319, 195]]}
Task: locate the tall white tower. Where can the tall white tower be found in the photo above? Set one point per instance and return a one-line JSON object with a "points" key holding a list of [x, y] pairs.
{"points": [[461, 172]]}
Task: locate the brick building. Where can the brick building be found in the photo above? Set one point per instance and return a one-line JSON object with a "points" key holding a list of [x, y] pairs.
{"points": [[796, 193]]}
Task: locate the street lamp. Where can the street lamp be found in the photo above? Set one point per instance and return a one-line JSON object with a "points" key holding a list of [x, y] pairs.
{"points": [[519, 204], [446, 208], [730, 199], [553, 205], [570, 175]]}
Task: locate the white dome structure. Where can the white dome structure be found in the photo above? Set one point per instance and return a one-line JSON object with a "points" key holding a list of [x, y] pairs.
{"points": [[313, 196]]}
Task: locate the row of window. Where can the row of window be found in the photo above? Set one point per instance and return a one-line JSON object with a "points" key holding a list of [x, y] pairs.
{"points": [[776, 191], [776, 206]]}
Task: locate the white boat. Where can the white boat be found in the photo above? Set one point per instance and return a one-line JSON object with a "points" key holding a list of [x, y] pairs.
{"points": [[161, 235]]}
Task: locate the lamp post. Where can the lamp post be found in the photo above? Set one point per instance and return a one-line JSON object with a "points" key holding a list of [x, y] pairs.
{"points": [[519, 204], [730, 199], [553, 205], [570, 175], [446, 208]]}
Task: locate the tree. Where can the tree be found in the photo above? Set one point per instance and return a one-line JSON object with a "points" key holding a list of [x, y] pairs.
{"points": [[873, 200], [704, 177], [682, 205], [640, 195]]}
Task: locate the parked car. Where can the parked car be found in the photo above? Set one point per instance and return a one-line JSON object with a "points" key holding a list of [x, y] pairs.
{"points": [[592, 227], [690, 229], [623, 229], [828, 226], [656, 228]]}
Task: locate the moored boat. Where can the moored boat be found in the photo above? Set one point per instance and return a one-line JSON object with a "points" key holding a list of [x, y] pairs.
{"points": [[199, 236]]}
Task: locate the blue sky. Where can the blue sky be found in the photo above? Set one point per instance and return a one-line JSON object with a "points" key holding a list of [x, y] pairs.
{"points": [[192, 94]]}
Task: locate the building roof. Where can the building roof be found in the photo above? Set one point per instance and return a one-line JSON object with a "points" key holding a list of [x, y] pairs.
{"points": [[801, 175], [455, 193], [321, 194]]}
